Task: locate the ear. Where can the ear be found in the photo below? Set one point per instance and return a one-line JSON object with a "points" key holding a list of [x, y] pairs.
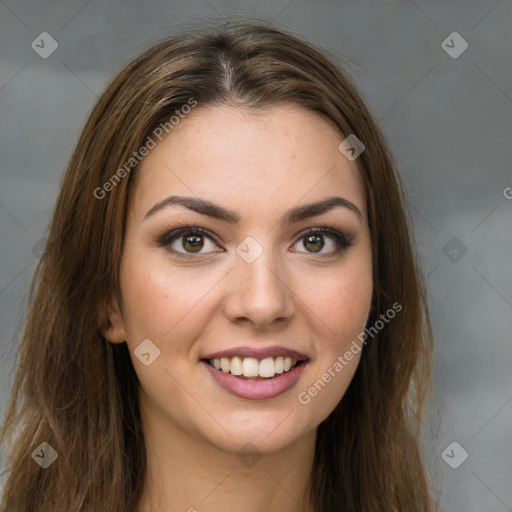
{"points": [[115, 332]]}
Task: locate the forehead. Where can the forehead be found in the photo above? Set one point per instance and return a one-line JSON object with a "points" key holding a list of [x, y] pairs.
{"points": [[256, 160]]}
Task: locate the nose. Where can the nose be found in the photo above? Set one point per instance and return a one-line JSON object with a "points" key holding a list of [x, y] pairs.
{"points": [[259, 291]]}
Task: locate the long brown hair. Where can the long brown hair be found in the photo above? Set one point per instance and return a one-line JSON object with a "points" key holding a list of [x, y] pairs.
{"points": [[79, 393]]}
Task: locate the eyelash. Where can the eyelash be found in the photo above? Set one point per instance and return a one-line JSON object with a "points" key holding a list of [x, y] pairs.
{"points": [[342, 241]]}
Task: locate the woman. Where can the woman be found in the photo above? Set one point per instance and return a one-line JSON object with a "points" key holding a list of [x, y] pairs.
{"points": [[227, 313]]}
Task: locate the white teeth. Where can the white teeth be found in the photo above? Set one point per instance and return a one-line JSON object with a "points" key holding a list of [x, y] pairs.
{"points": [[236, 366], [252, 367], [267, 367], [279, 364]]}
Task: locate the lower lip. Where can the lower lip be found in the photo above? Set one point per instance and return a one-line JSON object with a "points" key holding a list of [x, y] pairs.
{"points": [[257, 389]]}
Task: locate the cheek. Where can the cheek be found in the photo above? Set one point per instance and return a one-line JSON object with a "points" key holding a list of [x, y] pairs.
{"points": [[342, 306], [341, 309], [351, 302], [161, 301]]}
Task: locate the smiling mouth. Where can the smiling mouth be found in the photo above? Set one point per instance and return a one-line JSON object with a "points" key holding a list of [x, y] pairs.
{"points": [[251, 368]]}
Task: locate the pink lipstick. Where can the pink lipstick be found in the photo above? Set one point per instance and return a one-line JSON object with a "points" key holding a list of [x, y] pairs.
{"points": [[256, 373]]}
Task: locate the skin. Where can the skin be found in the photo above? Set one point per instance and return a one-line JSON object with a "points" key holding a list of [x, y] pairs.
{"points": [[260, 164]]}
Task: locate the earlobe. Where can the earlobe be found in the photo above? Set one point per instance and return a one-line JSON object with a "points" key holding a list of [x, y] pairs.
{"points": [[113, 335], [115, 332]]}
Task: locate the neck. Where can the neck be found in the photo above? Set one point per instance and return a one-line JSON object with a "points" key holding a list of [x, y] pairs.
{"points": [[186, 473]]}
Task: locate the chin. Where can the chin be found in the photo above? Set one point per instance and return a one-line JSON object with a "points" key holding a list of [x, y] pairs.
{"points": [[262, 435]]}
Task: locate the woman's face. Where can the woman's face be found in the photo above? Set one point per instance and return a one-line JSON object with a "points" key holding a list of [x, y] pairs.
{"points": [[253, 286]]}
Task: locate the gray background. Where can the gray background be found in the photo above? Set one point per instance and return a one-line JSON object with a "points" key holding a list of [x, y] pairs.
{"points": [[448, 121]]}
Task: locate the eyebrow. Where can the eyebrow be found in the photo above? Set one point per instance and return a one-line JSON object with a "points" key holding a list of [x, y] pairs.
{"points": [[205, 207]]}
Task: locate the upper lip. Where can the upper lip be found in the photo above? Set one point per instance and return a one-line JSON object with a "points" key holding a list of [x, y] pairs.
{"points": [[257, 352]]}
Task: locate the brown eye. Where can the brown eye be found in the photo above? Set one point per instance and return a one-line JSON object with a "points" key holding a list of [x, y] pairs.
{"points": [[313, 242], [189, 241], [192, 243]]}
